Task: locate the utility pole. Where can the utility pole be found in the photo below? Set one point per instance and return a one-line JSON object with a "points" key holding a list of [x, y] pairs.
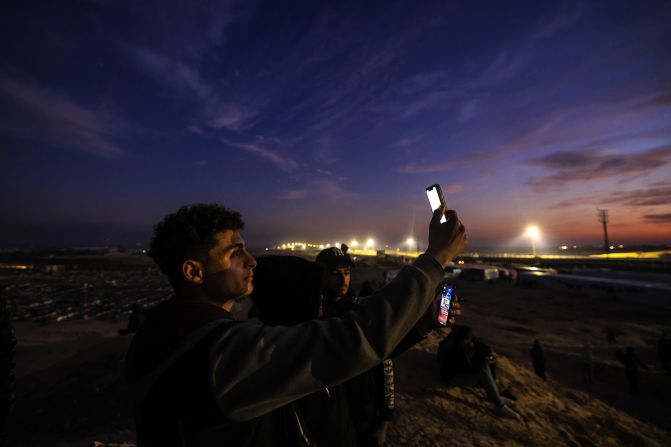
{"points": [[603, 218]]}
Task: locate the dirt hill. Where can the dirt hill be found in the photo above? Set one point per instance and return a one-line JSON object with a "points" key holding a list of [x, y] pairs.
{"points": [[430, 414], [70, 389]]}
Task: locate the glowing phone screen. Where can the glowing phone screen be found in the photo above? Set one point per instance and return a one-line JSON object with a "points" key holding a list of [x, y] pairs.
{"points": [[434, 201], [445, 302]]}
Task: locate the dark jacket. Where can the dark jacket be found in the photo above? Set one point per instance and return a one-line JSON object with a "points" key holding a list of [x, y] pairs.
{"points": [[287, 291], [180, 408], [367, 394], [202, 379]]}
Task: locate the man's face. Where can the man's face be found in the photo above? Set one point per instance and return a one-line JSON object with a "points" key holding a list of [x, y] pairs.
{"points": [[228, 268], [336, 282]]}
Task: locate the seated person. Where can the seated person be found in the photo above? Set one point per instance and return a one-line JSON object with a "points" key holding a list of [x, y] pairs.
{"points": [[466, 361]]}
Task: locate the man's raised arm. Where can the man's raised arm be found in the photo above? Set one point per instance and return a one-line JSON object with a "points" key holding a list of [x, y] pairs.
{"points": [[257, 368]]}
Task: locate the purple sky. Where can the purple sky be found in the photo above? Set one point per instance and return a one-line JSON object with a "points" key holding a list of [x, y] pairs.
{"points": [[325, 121]]}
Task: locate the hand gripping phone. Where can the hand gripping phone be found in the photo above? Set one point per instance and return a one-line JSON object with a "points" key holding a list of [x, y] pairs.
{"points": [[435, 195], [445, 297]]}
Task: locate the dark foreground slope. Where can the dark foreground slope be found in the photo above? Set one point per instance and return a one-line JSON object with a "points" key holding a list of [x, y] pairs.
{"points": [[70, 391]]}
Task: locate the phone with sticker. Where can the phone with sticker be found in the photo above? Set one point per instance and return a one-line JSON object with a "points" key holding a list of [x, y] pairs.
{"points": [[445, 298]]}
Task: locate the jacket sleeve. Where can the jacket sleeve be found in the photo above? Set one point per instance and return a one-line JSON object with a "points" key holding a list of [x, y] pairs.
{"points": [[256, 368]]}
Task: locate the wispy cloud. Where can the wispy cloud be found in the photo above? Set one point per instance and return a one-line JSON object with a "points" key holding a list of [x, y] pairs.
{"points": [[453, 189], [282, 162], [174, 74], [656, 194], [294, 194], [575, 166], [658, 218], [409, 141], [551, 24], [38, 113], [185, 83], [422, 168]]}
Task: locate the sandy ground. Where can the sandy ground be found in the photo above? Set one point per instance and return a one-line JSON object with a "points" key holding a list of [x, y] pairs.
{"points": [[563, 410], [70, 388]]}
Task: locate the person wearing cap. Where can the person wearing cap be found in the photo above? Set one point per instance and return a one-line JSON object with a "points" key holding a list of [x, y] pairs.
{"points": [[337, 274], [201, 378], [371, 394]]}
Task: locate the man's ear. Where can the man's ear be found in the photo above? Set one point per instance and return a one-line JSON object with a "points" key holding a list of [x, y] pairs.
{"points": [[193, 271]]}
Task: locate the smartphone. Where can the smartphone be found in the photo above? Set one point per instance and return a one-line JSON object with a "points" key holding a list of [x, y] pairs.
{"points": [[435, 195], [445, 296]]}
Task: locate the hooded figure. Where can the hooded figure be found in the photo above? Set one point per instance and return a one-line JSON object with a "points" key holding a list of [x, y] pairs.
{"points": [[287, 291]]}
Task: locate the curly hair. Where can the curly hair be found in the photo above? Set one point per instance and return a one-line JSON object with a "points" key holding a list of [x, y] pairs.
{"points": [[189, 233]]}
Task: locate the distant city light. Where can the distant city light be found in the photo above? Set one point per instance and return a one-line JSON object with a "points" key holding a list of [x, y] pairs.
{"points": [[564, 247], [612, 247], [370, 243], [411, 242], [337, 245], [354, 243]]}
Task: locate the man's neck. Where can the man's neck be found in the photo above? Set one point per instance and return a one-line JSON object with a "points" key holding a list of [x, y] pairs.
{"points": [[194, 294], [334, 298]]}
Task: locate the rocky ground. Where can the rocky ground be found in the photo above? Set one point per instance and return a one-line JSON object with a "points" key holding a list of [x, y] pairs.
{"points": [[70, 389]]}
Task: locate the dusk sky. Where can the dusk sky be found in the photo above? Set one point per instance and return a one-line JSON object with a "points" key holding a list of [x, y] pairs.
{"points": [[325, 121]]}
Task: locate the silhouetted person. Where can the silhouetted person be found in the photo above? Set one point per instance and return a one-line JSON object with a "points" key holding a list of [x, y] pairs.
{"points": [[538, 358], [136, 319], [465, 361], [611, 335], [631, 364], [7, 351], [586, 357], [366, 289], [664, 351]]}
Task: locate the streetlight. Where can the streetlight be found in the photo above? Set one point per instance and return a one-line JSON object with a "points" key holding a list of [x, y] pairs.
{"points": [[533, 232], [370, 244], [354, 243], [411, 243]]}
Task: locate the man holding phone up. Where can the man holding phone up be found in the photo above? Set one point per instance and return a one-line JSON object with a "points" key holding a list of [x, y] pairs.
{"points": [[201, 378]]}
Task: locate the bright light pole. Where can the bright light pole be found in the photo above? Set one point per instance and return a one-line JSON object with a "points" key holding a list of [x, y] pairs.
{"points": [[370, 244], [533, 232], [411, 243]]}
